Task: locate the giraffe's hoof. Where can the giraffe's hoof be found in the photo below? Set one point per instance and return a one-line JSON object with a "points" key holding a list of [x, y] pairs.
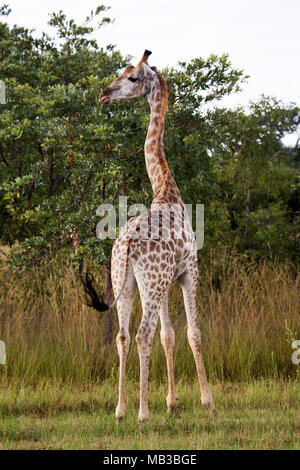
{"points": [[211, 409], [208, 403], [120, 413], [172, 404], [143, 416]]}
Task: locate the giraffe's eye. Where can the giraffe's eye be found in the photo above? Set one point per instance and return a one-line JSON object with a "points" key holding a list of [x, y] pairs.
{"points": [[132, 79]]}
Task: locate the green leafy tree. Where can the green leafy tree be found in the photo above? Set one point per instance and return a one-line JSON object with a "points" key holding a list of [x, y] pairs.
{"points": [[53, 150], [61, 156], [254, 176], [61, 159]]}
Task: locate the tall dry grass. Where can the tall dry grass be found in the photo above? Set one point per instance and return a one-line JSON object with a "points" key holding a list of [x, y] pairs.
{"points": [[249, 316]]}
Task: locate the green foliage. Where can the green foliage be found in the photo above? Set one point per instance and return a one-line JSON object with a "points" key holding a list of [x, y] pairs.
{"points": [[255, 177], [53, 151], [61, 156]]}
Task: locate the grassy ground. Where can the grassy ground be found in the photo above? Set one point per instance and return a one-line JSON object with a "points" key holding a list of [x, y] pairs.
{"points": [[260, 415], [248, 315]]}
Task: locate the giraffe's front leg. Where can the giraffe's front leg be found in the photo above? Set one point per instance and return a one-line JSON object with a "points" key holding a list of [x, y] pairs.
{"points": [[167, 338]]}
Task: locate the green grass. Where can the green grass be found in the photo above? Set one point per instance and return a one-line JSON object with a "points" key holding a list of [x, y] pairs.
{"points": [[263, 414], [248, 320], [59, 387]]}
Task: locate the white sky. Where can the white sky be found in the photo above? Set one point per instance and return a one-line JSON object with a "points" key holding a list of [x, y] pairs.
{"points": [[261, 36]]}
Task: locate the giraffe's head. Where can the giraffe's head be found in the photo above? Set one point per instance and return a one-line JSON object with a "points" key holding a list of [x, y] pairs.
{"points": [[134, 81]]}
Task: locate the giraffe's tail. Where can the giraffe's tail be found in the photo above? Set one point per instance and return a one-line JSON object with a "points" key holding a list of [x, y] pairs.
{"points": [[91, 296]]}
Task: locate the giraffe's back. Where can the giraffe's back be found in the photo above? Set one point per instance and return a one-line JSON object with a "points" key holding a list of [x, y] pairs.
{"points": [[159, 251]]}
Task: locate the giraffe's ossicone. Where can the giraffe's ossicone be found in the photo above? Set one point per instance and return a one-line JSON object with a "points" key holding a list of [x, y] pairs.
{"points": [[153, 250]]}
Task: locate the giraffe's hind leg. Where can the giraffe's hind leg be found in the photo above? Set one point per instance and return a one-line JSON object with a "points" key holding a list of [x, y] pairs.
{"points": [[167, 337], [189, 288], [124, 306], [144, 339]]}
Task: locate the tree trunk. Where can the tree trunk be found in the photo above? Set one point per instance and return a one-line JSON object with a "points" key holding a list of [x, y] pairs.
{"points": [[108, 300], [248, 215]]}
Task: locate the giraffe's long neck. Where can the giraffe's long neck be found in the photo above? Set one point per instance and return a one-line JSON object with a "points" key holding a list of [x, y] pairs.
{"points": [[156, 163]]}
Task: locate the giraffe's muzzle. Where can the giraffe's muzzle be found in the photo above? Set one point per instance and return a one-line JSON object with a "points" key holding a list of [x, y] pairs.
{"points": [[106, 95], [104, 98]]}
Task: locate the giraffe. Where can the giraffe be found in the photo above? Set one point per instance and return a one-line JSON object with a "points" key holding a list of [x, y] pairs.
{"points": [[153, 263]]}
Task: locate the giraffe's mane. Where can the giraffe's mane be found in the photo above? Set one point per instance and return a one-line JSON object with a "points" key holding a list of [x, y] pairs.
{"points": [[164, 92], [159, 153]]}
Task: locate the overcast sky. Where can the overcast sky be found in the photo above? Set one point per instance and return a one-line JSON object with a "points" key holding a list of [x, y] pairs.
{"points": [[261, 36]]}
